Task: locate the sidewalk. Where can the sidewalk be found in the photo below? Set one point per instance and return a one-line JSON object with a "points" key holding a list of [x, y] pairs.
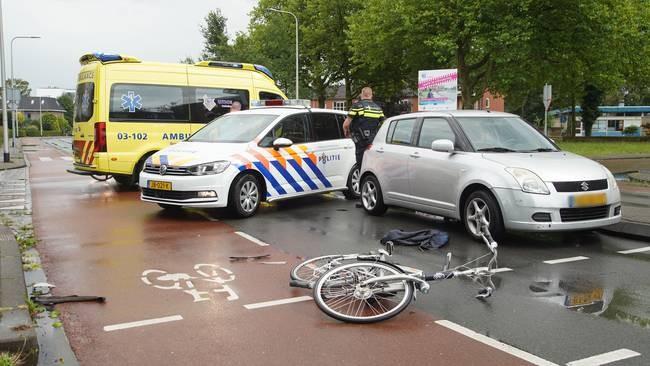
{"points": [[635, 194], [16, 159]]}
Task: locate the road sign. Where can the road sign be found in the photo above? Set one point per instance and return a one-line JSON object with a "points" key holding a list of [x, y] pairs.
{"points": [[13, 94], [548, 95]]}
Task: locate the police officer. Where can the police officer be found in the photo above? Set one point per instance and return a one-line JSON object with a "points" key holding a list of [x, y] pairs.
{"points": [[362, 123]]}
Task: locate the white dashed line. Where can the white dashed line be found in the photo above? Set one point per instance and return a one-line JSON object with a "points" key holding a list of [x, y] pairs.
{"points": [[253, 239], [13, 208], [13, 194], [21, 200], [565, 260], [273, 262], [266, 304], [637, 250], [605, 358], [140, 323], [67, 158], [44, 158], [495, 344]]}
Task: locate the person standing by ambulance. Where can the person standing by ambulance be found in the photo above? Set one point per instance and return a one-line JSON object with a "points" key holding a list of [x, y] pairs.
{"points": [[362, 123]]}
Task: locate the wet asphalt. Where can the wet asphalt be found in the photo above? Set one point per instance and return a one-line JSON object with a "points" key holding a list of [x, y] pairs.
{"points": [[560, 312], [97, 239]]}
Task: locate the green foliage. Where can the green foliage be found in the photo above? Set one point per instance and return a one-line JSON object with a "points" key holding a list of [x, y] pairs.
{"points": [[50, 122], [10, 359], [631, 130], [187, 60], [216, 39], [34, 308], [20, 84], [67, 102], [30, 130]]}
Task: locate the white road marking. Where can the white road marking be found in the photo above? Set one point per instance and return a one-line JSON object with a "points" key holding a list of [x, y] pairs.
{"points": [[13, 194], [67, 158], [13, 208], [44, 158], [251, 238], [277, 302], [605, 358], [13, 201], [565, 260], [495, 344], [140, 323], [273, 262], [637, 250]]}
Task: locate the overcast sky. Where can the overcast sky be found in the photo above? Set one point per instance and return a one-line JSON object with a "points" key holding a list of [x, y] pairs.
{"points": [[152, 30]]}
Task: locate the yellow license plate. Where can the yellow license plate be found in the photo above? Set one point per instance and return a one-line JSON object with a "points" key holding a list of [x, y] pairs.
{"points": [[588, 200], [585, 298], [156, 184]]}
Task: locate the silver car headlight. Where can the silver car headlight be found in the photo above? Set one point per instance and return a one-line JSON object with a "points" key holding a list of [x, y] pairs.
{"points": [[611, 180], [528, 181], [214, 167]]}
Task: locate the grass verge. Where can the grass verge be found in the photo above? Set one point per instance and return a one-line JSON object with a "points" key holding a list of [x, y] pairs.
{"points": [[605, 148]]}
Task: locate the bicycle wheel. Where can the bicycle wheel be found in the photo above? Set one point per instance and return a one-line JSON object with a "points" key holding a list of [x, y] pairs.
{"points": [[340, 294], [312, 269]]}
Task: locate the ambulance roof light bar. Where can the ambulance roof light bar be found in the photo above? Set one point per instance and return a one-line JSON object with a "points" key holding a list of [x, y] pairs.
{"points": [[105, 58], [297, 103]]}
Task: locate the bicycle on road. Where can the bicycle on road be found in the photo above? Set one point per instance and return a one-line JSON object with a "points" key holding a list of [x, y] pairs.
{"points": [[367, 291], [305, 274]]}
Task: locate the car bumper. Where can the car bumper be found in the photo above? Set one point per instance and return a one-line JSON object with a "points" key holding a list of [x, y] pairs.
{"points": [[185, 190], [519, 207]]}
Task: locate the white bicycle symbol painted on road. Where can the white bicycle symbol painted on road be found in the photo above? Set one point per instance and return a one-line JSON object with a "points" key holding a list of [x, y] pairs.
{"points": [[211, 273]]}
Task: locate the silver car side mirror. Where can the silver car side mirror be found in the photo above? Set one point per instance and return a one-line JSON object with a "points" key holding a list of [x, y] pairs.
{"points": [[443, 145], [282, 142]]}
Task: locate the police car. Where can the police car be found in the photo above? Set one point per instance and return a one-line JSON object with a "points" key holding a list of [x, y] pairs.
{"points": [[263, 154]]}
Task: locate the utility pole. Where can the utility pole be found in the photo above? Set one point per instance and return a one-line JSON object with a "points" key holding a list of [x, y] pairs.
{"points": [[296, 18], [5, 128]]}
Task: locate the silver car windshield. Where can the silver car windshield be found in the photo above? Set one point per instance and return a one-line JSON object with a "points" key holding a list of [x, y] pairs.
{"points": [[234, 127], [503, 134]]}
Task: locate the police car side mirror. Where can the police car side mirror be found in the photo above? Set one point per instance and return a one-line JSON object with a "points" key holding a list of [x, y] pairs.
{"points": [[443, 145], [281, 142]]}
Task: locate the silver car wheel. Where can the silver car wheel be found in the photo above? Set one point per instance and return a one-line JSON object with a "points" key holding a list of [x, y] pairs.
{"points": [[356, 181], [369, 195], [474, 208], [248, 196]]}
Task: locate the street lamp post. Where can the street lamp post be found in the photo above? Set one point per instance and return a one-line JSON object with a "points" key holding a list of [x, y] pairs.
{"points": [[5, 129], [13, 87], [296, 18]]}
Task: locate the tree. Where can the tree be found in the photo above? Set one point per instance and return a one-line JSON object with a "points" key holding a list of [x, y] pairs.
{"points": [[20, 84], [67, 103], [50, 122], [215, 44], [590, 102], [187, 60]]}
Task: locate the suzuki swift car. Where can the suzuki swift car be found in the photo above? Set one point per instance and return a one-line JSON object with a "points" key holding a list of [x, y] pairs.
{"points": [[244, 158], [456, 163]]}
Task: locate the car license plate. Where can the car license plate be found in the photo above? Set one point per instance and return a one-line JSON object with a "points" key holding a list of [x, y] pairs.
{"points": [[156, 184], [585, 298], [588, 200]]}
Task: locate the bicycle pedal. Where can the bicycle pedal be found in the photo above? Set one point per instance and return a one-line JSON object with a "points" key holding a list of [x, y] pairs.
{"points": [[447, 262]]}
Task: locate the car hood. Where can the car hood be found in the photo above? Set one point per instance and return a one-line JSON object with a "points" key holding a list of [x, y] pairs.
{"points": [[558, 166], [186, 154]]}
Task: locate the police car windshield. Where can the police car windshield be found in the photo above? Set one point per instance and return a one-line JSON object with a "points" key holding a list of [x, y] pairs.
{"points": [[234, 127]]}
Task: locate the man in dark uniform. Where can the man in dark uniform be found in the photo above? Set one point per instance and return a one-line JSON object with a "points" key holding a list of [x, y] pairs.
{"points": [[362, 123]]}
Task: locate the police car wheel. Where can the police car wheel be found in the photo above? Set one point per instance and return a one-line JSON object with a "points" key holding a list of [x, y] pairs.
{"points": [[354, 183], [371, 196], [245, 196]]}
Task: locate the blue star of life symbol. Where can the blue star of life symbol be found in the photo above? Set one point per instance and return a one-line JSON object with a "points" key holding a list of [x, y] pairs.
{"points": [[131, 101]]}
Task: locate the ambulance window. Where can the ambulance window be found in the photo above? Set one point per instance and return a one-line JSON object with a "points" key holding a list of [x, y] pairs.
{"points": [[269, 96], [207, 104], [293, 127], [84, 105], [160, 103], [325, 126]]}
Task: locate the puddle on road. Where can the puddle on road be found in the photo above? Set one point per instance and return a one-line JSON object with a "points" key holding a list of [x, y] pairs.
{"points": [[592, 297]]}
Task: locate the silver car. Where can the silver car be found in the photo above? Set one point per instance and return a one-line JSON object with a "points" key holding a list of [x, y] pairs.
{"points": [[456, 163]]}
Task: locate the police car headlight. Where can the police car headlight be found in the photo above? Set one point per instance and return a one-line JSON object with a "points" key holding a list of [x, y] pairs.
{"points": [[215, 167]]}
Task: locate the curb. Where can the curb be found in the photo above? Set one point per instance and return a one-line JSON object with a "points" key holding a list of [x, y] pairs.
{"points": [[14, 312], [629, 229]]}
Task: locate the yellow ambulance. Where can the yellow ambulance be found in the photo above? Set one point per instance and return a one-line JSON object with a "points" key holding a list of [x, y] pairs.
{"points": [[127, 109]]}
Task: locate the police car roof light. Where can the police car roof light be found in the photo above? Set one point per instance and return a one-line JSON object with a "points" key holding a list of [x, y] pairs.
{"points": [[300, 103]]}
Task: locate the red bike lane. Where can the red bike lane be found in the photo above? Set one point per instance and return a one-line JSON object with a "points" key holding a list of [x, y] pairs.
{"points": [[175, 269]]}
